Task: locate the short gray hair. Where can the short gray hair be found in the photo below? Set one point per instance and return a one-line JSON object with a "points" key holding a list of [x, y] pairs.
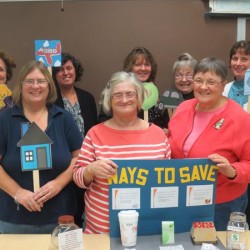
{"points": [[115, 79], [184, 60], [212, 64]]}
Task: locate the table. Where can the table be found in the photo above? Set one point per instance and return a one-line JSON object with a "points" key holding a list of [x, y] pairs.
{"points": [[153, 242], [42, 241]]}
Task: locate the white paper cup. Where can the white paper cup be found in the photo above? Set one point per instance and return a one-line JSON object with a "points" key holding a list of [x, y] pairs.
{"points": [[128, 220]]}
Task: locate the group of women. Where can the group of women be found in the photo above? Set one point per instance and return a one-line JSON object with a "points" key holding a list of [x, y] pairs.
{"points": [[215, 128]]}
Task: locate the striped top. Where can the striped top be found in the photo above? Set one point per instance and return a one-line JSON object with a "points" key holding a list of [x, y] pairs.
{"points": [[103, 142]]}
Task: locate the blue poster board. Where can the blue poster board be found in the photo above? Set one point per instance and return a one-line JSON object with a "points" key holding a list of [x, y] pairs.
{"points": [[49, 52], [182, 191]]}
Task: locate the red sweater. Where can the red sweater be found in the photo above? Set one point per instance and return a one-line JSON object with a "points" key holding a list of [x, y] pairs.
{"points": [[231, 140], [103, 142]]}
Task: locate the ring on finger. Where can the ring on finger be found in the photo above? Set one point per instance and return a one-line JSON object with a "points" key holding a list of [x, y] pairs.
{"points": [[30, 204]]}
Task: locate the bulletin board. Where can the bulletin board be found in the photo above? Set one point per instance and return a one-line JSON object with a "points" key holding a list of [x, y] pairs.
{"points": [[182, 191]]}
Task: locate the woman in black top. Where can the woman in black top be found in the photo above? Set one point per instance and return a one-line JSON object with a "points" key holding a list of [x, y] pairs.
{"points": [[80, 103]]}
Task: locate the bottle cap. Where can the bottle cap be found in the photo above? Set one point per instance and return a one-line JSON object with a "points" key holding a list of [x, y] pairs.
{"points": [[66, 219]]}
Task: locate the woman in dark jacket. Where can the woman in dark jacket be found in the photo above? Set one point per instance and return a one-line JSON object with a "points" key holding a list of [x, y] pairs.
{"points": [[80, 103]]}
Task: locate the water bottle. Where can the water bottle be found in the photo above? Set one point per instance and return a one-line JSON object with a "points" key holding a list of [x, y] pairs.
{"points": [[65, 224], [237, 231]]}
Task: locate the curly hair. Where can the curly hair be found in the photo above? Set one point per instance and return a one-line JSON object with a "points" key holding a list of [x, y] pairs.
{"points": [[76, 63], [9, 63]]}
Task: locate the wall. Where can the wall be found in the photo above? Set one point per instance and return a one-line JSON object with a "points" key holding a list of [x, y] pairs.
{"points": [[102, 33]]}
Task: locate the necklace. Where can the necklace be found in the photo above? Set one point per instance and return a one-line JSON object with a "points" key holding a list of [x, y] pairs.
{"points": [[37, 118]]}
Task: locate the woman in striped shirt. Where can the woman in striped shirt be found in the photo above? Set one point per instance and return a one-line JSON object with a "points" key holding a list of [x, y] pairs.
{"points": [[124, 136]]}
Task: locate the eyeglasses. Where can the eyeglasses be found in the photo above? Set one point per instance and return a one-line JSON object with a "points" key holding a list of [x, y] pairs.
{"points": [[180, 77], [30, 82], [128, 95], [209, 82]]}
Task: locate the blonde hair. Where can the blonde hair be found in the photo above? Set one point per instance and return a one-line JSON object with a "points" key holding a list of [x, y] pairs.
{"points": [[25, 70]]}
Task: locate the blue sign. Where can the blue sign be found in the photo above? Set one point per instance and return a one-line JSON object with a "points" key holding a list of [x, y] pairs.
{"points": [[49, 52], [35, 148], [182, 191], [247, 83]]}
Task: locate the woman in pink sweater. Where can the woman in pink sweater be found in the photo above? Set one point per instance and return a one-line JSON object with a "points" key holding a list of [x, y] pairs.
{"points": [[124, 136], [216, 128]]}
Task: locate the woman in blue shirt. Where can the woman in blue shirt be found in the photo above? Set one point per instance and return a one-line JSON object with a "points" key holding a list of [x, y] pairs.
{"points": [[22, 209], [239, 63]]}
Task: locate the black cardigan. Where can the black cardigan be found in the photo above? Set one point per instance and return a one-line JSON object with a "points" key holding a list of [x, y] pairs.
{"points": [[87, 105]]}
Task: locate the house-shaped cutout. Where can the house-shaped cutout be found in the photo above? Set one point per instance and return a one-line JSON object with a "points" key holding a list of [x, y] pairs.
{"points": [[35, 149], [171, 99]]}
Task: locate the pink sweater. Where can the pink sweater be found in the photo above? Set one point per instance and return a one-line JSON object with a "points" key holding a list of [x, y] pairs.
{"points": [[231, 139], [103, 142]]}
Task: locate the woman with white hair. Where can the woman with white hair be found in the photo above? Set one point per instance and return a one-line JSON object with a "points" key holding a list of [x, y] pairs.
{"points": [[124, 136]]}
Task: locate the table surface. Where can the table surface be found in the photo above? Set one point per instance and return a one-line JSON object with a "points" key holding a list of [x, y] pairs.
{"points": [[42, 241], [153, 242]]}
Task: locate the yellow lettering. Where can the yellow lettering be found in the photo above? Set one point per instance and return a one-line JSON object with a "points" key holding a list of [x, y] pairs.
{"points": [[114, 179], [195, 174], [184, 175], [141, 177], [123, 176], [199, 172], [169, 175], [203, 171], [212, 173], [159, 173], [132, 174]]}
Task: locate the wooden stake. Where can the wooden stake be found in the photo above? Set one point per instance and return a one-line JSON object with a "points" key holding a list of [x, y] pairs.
{"points": [[36, 180], [146, 115]]}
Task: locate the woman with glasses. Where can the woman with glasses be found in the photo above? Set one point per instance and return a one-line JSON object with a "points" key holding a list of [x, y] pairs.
{"points": [[124, 136], [183, 70], [23, 209], [215, 128], [141, 62]]}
